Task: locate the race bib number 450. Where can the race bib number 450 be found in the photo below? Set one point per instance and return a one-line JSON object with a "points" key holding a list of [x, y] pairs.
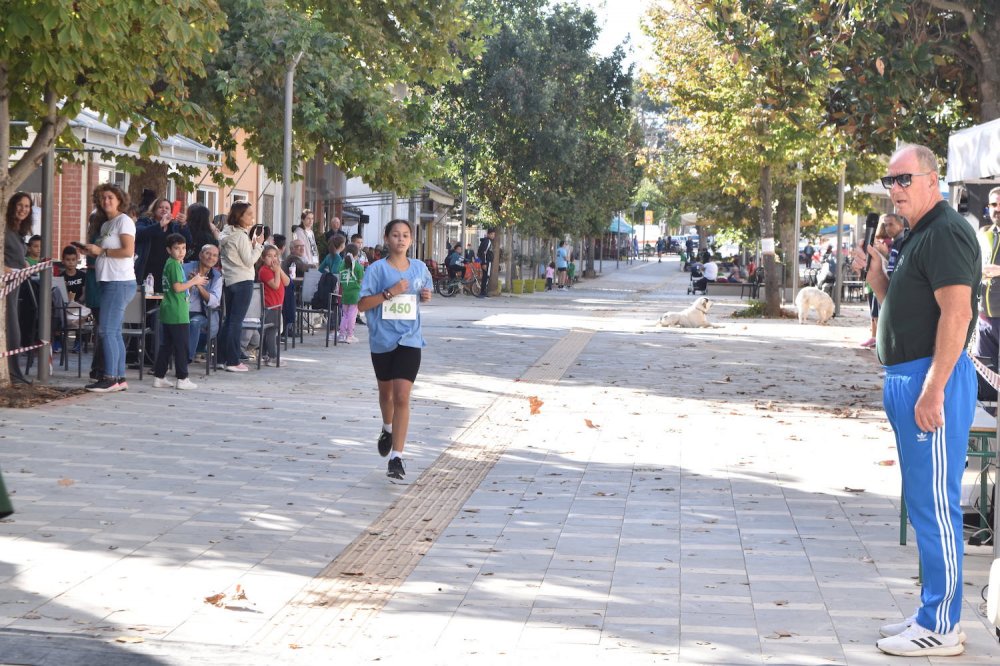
{"points": [[403, 306]]}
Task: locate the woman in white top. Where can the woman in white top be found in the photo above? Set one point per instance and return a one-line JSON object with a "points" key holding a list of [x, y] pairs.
{"points": [[114, 251], [239, 251], [304, 233]]}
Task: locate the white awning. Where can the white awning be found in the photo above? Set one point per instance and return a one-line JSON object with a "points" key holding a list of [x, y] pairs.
{"points": [[974, 154], [94, 132], [435, 193]]}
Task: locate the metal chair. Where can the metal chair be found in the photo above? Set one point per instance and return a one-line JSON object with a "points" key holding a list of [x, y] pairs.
{"points": [[135, 324], [254, 321], [304, 308], [63, 307]]}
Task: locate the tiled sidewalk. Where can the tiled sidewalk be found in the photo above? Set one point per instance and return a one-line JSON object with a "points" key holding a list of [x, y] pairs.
{"points": [[691, 497]]}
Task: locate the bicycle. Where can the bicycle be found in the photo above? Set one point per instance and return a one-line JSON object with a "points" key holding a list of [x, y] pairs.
{"points": [[449, 287]]}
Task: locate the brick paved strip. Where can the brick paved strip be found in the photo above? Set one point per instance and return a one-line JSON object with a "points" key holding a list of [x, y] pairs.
{"points": [[359, 582]]}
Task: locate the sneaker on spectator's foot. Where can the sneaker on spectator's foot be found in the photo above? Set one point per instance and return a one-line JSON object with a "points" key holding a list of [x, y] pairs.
{"points": [[869, 343], [103, 385], [384, 443], [396, 470], [76, 347], [236, 368], [351, 339], [266, 360], [186, 384], [915, 641], [96, 375], [56, 346], [161, 382], [896, 628], [122, 384]]}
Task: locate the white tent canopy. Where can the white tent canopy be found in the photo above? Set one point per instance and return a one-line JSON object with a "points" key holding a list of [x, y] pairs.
{"points": [[974, 154]]}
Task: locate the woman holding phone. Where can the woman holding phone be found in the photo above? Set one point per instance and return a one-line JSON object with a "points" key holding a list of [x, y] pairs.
{"points": [[113, 250], [239, 250], [391, 292]]}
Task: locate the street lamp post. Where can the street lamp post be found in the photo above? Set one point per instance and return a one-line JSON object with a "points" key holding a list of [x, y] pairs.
{"points": [[645, 204], [286, 171]]}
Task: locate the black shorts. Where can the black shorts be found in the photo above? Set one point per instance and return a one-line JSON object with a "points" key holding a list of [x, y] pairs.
{"points": [[561, 270], [401, 363]]}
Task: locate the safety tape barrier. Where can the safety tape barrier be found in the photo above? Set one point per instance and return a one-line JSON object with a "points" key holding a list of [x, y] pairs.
{"points": [[16, 277], [21, 350], [991, 377]]}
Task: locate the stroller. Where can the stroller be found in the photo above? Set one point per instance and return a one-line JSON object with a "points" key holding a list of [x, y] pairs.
{"points": [[696, 285]]}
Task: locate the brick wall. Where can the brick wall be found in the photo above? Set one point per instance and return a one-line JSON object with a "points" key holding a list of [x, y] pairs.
{"points": [[69, 205]]}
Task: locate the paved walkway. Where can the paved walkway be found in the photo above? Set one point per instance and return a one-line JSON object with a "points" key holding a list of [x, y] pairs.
{"points": [[719, 496]]}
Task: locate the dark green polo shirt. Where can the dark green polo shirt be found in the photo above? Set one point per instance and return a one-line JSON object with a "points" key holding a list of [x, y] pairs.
{"points": [[941, 250]]}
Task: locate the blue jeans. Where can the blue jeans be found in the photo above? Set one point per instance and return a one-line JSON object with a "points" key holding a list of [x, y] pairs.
{"points": [[199, 328], [237, 303], [115, 296]]}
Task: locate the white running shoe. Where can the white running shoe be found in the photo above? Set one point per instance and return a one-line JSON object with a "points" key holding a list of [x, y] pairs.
{"points": [[351, 339], [161, 382], [896, 628], [916, 641], [186, 384]]}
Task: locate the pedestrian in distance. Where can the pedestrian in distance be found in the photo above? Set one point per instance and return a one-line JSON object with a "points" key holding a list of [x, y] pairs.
{"points": [[175, 317], [18, 226], [485, 256], [391, 293], [562, 263], [550, 274], [352, 273], [927, 317]]}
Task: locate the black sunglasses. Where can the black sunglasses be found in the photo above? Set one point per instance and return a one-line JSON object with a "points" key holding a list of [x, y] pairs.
{"points": [[904, 179]]}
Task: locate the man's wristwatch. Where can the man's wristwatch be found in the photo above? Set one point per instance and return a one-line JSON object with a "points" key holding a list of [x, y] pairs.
{"points": [[386, 294]]}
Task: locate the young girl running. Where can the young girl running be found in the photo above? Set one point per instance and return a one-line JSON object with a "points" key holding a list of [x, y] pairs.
{"points": [[390, 292], [351, 275]]}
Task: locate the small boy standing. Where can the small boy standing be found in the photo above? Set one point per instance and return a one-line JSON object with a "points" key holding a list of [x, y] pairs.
{"points": [[174, 316]]}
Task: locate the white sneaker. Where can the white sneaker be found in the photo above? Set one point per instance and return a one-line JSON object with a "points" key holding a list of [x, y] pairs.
{"points": [[161, 383], [896, 628], [351, 339], [186, 384], [916, 641]]}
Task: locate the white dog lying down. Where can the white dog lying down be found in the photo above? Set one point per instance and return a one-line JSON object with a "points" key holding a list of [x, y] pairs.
{"points": [[818, 300], [693, 316]]}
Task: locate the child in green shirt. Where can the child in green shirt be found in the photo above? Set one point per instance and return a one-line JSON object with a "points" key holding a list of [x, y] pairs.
{"points": [[174, 316], [351, 275]]}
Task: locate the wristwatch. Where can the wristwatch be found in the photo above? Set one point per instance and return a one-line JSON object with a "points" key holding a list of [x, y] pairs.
{"points": [[386, 294]]}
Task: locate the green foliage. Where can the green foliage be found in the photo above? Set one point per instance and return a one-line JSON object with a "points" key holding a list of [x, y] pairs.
{"points": [[541, 126], [128, 59], [359, 85]]}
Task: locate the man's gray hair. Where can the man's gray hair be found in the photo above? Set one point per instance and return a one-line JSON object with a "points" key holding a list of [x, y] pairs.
{"points": [[995, 190], [925, 156]]}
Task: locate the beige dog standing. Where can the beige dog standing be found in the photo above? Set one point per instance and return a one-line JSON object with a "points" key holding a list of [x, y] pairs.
{"points": [[693, 316], [811, 298]]}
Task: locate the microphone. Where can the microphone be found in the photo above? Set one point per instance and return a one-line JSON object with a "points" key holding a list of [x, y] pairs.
{"points": [[871, 222]]}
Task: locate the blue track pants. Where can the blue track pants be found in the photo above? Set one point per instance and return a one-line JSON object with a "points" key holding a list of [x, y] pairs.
{"points": [[932, 464]]}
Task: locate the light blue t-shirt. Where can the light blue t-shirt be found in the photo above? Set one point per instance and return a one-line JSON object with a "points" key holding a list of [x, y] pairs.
{"points": [[561, 257], [386, 335]]}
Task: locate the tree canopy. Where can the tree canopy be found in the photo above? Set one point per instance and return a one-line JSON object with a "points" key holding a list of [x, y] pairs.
{"points": [[541, 125]]}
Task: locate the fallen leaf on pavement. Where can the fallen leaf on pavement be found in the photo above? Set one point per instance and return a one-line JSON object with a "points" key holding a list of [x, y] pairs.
{"points": [[66, 482], [295, 646], [590, 424], [781, 602], [535, 404], [130, 639], [854, 490], [781, 633], [215, 599], [886, 463]]}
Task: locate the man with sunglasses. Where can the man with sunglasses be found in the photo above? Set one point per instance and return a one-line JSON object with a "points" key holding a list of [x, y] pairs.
{"points": [[929, 394]]}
